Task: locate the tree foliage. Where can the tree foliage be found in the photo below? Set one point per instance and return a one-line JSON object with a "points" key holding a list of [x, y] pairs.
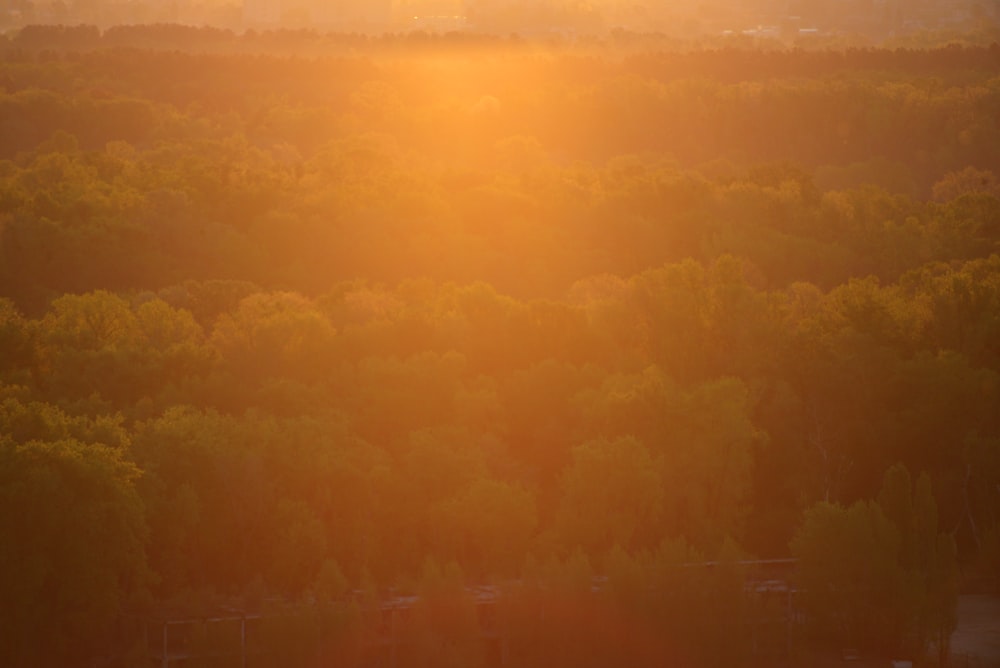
{"points": [[879, 574], [286, 316]]}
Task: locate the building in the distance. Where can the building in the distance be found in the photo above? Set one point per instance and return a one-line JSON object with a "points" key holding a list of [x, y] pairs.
{"points": [[342, 15]]}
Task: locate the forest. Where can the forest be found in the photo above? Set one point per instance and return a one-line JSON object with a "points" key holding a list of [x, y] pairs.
{"points": [[298, 321]]}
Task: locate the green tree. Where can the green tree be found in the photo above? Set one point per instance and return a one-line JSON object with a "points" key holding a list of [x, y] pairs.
{"points": [[17, 345], [850, 575], [96, 343], [878, 575], [26, 421], [73, 553], [493, 523], [277, 334], [442, 628], [209, 501], [612, 494], [703, 440]]}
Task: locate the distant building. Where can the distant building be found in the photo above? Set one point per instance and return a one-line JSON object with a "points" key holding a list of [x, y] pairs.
{"points": [[438, 23], [262, 12], [342, 15]]}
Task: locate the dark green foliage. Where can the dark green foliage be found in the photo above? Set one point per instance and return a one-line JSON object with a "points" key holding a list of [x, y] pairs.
{"points": [[283, 327], [878, 575], [73, 553]]}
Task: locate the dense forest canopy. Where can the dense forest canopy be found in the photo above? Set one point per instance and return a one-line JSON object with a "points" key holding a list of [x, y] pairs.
{"points": [[288, 315]]}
